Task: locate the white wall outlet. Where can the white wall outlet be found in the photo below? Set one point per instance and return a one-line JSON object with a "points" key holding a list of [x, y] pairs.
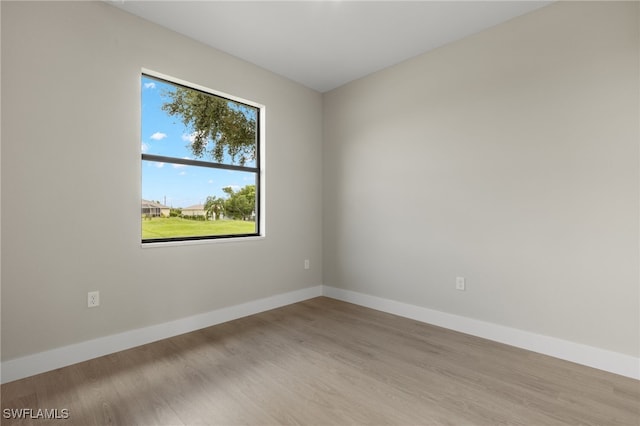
{"points": [[460, 285], [306, 264], [93, 299]]}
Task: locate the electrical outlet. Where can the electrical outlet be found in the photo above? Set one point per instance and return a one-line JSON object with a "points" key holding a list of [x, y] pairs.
{"points": [[306, 264], [460, 285], [93, 299]]}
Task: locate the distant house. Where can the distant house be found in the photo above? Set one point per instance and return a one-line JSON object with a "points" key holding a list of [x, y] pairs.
{"points": [[153, 209], [197, 210]]}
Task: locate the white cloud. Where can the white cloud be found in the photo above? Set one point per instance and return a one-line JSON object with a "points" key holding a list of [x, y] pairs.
{"points": [[189, 137], [182, 173], [144, 147], [150, 85], [210, 181], [158, 136], [159, 165]]}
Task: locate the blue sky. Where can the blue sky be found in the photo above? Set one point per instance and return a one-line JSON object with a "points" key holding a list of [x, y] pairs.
{"points": [[180, 186]]}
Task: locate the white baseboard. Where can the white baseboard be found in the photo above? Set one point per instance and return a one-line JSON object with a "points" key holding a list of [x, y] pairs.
{"points": [[614, 362], [29, 365]]}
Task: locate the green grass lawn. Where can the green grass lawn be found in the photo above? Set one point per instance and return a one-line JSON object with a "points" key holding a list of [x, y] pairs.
{"points": [[170, 227]]}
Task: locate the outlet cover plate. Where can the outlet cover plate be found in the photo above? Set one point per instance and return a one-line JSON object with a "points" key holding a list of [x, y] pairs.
{"points": [[93, 299]]}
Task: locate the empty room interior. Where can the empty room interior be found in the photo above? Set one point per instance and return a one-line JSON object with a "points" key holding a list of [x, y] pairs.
{"points": [[444, 226]]}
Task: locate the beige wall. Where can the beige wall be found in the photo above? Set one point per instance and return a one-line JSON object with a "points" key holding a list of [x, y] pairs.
{"points": [[510, 158], [187, 212], [70, 131]]}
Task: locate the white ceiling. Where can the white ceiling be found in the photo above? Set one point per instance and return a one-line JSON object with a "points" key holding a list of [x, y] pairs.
{"points": [[325, 44]]}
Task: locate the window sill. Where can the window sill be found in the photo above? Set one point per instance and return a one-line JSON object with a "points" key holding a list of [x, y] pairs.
{"points": [[201, 242]]}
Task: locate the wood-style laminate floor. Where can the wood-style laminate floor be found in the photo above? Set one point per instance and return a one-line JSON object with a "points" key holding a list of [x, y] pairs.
{"points": [[326, 362]]}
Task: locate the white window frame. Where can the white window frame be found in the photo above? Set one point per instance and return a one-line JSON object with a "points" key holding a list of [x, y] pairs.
{"points": [[260, 173]]}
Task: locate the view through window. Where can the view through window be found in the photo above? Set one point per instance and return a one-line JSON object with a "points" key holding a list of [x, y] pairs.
{"points": [[200, 164]]}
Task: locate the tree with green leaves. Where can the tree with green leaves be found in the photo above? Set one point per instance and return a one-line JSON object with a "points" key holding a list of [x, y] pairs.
{"points": [[241, 204], [214, 206], [218, 125]]}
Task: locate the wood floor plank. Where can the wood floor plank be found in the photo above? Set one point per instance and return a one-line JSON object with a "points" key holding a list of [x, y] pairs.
{"points": [[327, 362]]}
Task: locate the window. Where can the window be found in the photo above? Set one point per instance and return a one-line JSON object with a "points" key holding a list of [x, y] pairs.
{"points": [[200, 164]]}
